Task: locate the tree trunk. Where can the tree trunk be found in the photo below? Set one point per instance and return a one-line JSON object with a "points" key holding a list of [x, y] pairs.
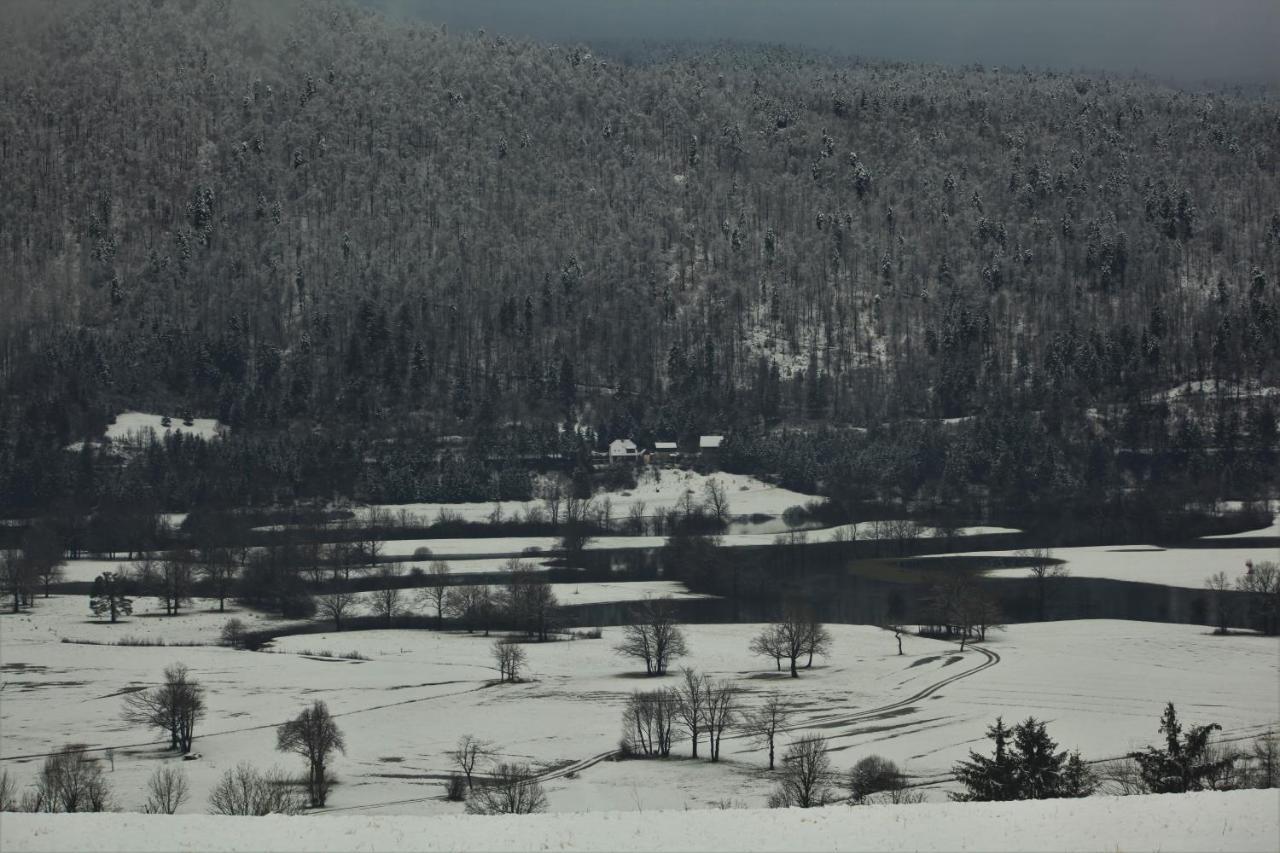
{"points": [[794, 674]]}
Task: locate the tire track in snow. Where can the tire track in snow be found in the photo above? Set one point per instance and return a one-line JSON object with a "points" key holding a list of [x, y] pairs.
{"points": [[582, 764]]}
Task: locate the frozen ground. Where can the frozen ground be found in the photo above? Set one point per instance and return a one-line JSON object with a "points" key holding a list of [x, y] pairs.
{"points": [[517, 545], [1235, 821], [658, 489], [138, 424], [567, 594], [1100, 684], [1185, 567]]}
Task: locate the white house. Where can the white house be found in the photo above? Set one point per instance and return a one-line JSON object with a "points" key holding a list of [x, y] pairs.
{"points": [[623, 449], [710, 442]]}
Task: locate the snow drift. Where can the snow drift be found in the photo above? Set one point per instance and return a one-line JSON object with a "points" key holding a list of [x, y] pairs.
{"points": [[1237, 821]]}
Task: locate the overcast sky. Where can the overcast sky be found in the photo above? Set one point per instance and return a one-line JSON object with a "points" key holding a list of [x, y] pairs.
{"points": [[1183, 40]]}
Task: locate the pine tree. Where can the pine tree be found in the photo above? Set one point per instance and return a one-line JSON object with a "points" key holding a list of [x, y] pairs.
{"points": [[1183, 764]]}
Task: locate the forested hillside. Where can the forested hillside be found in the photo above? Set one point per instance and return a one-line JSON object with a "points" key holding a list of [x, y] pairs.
{"points": [[345, 238]]}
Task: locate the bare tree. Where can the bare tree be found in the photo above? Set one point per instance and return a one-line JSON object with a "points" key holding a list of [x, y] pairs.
{"points": [[174, 707], [467, 753], [17, 577], [167, 790], [575, 533], [716, 500], [636, 524], [218, 571], [817, 639], [765, 722], [71, 781], [335, 603], [653, 636], [510, 789], [473, 606], [720, 708], [552, 496], [897, 634], [806, 776], [315, 736], [436, 593], [386, 598], [798, 634], [245, 791], [1046, 571], [528, 601], [369, 544], [171, 581], [510, 658], [1220, 589], [769, 643], [648, 722], [689, 706], [1262, 586]]}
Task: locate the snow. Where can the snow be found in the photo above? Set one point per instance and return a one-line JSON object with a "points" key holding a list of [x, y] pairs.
{"points": [[1272, 529], [1210, 821], [747, 496], [1101, 685], [1184, 567], [137, 424]]}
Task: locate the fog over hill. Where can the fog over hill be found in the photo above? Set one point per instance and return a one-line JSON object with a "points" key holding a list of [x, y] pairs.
{"points": [[1187, 41]]}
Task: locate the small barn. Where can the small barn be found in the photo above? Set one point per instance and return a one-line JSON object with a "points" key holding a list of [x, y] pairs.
{"points": [[664, 452], [709, 447]]}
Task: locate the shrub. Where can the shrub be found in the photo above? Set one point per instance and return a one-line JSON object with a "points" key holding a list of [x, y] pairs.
{"points": [[233, 634], [245, 791], [455, 788], [872, 775]]}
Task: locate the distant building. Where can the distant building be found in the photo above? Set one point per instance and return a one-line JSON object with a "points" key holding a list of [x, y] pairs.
{"points": [[664, 451], [709, 447], [623, 450]]}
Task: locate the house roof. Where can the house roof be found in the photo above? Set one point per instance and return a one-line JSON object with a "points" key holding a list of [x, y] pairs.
{"points": [[664, 445], [622, 444], [710, 442]]}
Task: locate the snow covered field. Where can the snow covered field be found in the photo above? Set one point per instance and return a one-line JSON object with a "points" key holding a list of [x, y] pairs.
{"points": [[1185, 567], [133, 425], [1100, 684], [518, 545], [1236, 821], [747, 496]]}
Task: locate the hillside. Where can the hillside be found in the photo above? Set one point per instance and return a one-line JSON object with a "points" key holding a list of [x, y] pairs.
{"points": [[345, 238], [1236, 821]]}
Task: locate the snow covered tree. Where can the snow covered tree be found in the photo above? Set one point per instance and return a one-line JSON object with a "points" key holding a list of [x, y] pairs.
{"points": [[1025, 766], [109, 595], [1186, 760]]}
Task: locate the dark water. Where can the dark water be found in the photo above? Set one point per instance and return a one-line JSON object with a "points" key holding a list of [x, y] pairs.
{"points": [[841, 590]]}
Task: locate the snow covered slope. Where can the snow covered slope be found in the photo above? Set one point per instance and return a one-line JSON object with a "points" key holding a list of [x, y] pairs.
{"points": [[1236, 821]]}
